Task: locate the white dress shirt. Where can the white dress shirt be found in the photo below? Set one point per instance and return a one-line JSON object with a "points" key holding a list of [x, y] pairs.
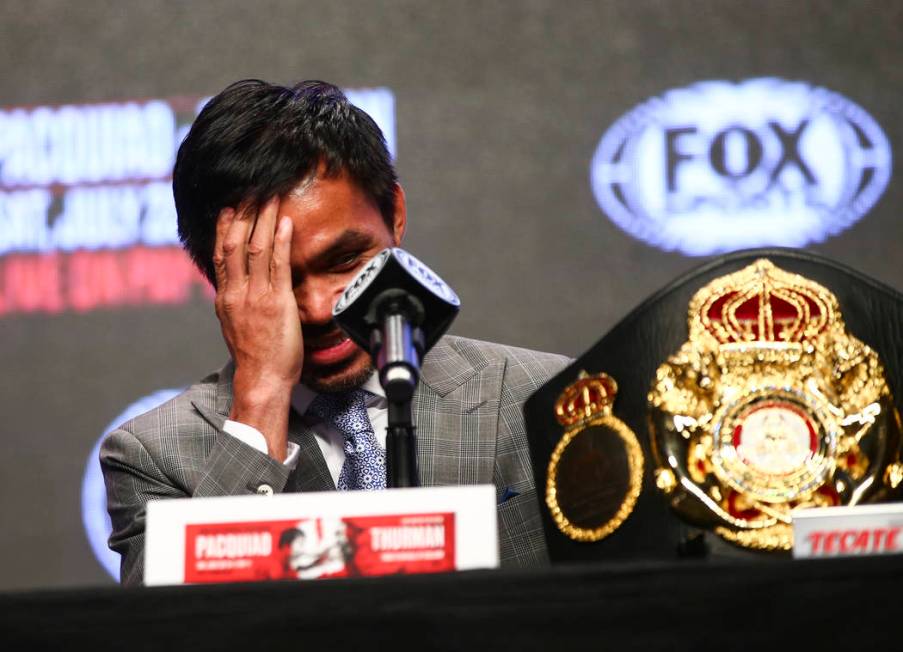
{"points": [[330, 440]]}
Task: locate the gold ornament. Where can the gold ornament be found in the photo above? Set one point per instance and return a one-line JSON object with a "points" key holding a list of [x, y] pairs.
{"points": [[595, 473], [770, 406]]}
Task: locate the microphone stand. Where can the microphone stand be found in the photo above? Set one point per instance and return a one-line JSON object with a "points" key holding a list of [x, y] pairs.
{"points": [[397, 346], [384, 310], [401, 448]]}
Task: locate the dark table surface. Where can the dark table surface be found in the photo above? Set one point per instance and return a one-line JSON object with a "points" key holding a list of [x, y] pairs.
{"points": [[641, 605]]}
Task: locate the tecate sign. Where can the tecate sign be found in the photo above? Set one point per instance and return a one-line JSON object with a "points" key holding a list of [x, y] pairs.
{"points": [[719, 166]]}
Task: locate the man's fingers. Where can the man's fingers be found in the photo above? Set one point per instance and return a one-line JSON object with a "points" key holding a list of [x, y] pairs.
{"points": [[260, 246], [281, 271], [235, 245], [223, 222]]}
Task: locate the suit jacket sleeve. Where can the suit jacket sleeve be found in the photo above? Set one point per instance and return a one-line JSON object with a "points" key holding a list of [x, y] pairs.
{"points": [[178, 450]]}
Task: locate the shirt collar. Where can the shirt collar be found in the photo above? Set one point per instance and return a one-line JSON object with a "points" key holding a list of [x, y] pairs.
{"points": [[303, 396]]}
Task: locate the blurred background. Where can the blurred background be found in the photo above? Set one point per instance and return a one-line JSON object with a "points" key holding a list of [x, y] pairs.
{"points": [[562, 161]]}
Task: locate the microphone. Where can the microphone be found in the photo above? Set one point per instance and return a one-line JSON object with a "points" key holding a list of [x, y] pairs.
{"points": [[396, 308]]}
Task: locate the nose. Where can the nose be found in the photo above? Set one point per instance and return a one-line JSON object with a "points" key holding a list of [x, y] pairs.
{"points": [[315, 299]]}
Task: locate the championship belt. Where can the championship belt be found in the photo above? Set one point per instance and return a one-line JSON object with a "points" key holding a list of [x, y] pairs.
{"points": [[771, 405]]}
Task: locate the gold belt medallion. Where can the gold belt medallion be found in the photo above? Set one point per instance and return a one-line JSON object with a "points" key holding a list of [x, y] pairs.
{"points": [[770, 406], [595, 472]]}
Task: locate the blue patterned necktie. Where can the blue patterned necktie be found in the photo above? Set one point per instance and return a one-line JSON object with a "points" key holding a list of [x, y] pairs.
{"points": [[365, 461]]}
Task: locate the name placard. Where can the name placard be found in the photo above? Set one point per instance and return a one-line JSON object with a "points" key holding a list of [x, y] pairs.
{"points": [[320, 535], [848, 531]]}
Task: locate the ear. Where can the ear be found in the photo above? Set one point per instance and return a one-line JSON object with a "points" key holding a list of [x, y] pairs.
{"points": [[401, 215]]}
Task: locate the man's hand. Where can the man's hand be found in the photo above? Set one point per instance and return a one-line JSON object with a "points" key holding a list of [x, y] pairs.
{"points": [[259, 317]]}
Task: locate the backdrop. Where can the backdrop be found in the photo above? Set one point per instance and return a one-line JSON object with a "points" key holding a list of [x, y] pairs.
{"points": [[562, 161]]}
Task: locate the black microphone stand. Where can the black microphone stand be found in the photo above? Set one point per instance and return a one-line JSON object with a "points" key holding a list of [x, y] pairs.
{"points": [[397, 349], [401, 447]]}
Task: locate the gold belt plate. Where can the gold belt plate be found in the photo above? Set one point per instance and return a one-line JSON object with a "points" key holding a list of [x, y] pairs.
{"points": [[771, 405]]}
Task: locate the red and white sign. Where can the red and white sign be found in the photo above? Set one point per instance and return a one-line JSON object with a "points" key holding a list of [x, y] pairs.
{"points": [[848, 531], [323, 535]]}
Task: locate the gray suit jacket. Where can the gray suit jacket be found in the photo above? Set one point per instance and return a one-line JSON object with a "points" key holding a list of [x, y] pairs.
{"points": [[470, 430]]}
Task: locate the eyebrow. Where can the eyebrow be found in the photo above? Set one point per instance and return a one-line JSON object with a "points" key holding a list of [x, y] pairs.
{"points": [[348, 240]]}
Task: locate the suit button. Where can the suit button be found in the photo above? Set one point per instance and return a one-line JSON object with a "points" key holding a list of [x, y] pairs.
{"points": [[265, 490]]}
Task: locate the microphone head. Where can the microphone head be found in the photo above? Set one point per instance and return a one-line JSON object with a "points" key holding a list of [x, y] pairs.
{"points": [[394, 279]]}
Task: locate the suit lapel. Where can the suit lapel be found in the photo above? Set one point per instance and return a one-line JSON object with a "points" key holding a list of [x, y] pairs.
{"points": [[311, 474], [455, 410]]}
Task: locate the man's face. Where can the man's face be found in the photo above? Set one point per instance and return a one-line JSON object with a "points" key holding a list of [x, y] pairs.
{"points": [[337, 229]]}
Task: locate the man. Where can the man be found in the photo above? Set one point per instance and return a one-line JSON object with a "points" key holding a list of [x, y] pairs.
{"points": [[282, 196]]}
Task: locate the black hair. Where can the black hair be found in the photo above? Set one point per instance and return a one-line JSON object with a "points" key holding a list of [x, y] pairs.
{"points": [[257, 140], [288, 536]]}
